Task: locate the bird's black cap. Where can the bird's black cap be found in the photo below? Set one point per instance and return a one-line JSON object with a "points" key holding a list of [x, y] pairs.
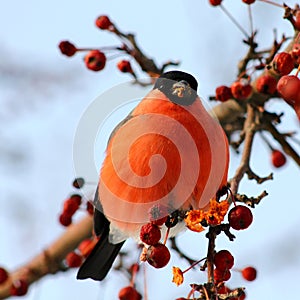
{"points": [[166, 83]]}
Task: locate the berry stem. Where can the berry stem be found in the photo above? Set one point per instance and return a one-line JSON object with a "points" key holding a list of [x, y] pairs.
{"points": [[232, 197], [191, 294], [193, 265], [106, 48], [251, 20], [298, 69], [272, 3], [133, 276], [145, 283], [166, 236], [234, 21]]}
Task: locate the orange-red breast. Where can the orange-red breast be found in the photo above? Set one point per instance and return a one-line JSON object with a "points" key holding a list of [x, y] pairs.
{"points": [[169, 152]]}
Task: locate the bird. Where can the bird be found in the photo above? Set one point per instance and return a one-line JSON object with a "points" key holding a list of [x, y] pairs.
{"points": [[169, 152]]}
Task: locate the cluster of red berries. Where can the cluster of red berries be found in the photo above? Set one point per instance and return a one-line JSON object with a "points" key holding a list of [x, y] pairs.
{"points": [[73, 203], [223, 261], [241, 89], [18, 287], [157, 254], [95, 59], [248, 273], [288, 86], [239, 217]]}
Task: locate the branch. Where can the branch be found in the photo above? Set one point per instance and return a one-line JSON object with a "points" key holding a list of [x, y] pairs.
{"points": [[147, 64], [249, 132], [50, 260]]}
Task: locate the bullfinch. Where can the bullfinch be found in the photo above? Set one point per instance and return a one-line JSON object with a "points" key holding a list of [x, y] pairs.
{"points": [[168, 155]]}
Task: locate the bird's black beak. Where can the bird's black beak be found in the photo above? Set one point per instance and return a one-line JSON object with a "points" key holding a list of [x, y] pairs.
{"points": [[181, 89]]}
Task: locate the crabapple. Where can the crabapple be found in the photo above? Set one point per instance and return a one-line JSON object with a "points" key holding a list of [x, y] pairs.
{"points": [[240, 217], [150, 234], [95, 60], [158, 255], [278, 158]]}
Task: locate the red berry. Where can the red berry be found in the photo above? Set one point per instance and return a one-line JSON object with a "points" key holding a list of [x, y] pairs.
{"points": [[248, 1], [278, 158], [249, 273], [215, 2], [240, 217], [95, 60], [160, 221], [78, 183], [90, 208], [221, 275], [3, 275], [266, 84], [129, 293], [158, 255], [241, 89], [86, 247], [73, 260], [65, 219], [124, 66], [19, 288], [283, 63], [70, 206], [297, 20], [223, 260], [150, 234], [223, 93], [67, 48], [103, 22], [288, 87], [76, 198]]}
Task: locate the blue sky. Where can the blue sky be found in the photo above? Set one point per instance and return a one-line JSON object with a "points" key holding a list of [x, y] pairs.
{"points": [[43, 96]]}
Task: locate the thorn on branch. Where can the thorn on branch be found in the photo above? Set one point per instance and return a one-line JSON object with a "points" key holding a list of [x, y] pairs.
{"points": [[259, 180], [250, 201]]}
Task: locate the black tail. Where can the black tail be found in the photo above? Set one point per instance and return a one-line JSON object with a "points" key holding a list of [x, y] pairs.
{"points": [[99, 262]]}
